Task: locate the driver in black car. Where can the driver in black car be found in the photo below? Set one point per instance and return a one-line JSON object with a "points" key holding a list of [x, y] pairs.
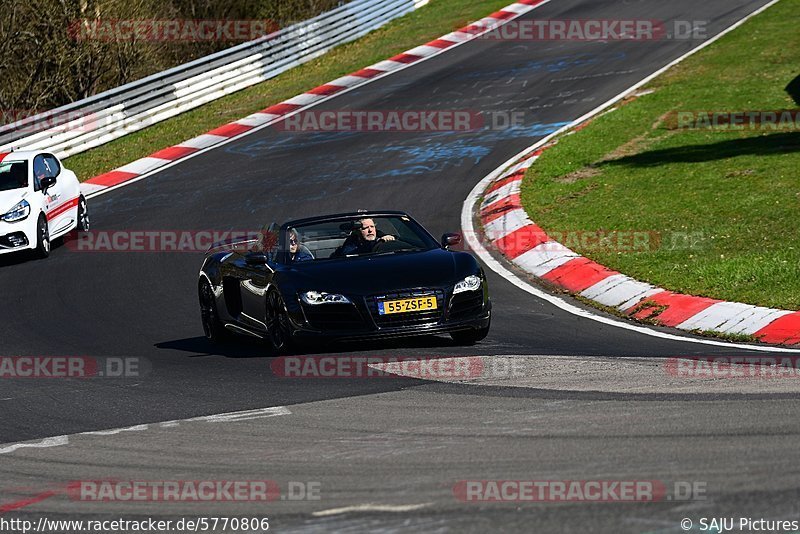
{"points": [[367, 238]]}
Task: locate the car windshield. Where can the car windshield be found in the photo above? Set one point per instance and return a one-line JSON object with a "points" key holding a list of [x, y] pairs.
{"points": [[356, 237], [13, 175]]}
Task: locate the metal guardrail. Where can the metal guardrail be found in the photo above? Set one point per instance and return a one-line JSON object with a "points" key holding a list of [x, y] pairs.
{"points": [[96, 120]]}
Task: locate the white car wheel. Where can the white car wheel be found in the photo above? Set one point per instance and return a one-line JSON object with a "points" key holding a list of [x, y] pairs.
{"points": [[42, 238], [83, 216]]}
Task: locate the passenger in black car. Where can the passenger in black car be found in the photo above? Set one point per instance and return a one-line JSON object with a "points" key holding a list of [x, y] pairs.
{"points": [[297, 250], [364, 238]]}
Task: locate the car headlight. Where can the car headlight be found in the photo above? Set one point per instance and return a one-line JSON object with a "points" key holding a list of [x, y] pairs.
{"points": [[320, 297], [18, 212], [470, 283]]}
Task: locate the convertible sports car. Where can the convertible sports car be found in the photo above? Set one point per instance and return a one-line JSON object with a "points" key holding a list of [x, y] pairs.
{"points": [[346, 276], [40, 201]]}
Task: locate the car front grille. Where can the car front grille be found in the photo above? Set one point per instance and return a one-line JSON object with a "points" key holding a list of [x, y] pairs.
{"points": [[465, 305], [396, 320], [334, 317]]}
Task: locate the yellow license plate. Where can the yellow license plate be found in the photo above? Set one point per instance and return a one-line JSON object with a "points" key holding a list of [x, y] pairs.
{"points": [[407, 305]]}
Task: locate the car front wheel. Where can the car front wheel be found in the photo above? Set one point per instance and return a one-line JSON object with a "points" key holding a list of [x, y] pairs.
{"points": [[213, 328], [83, 216], [278, 329], [42, 238]]}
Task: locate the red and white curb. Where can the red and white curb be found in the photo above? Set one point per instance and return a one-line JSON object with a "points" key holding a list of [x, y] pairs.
{"points": [[159, 160], [507, 226]]}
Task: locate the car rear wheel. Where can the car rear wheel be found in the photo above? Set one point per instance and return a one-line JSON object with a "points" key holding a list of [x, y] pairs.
{"points": [[278, 330], [42, 238], [83, 216], [471, 336], [213, 328]]}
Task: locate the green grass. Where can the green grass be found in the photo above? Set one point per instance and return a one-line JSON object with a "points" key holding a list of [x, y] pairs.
{"points": [[416, 28], [736, 194]]}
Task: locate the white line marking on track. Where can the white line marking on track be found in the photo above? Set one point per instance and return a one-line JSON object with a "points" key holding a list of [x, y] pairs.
{"points": [[169, 424], [228, 417], [54, 441], [245, 415], [113, 431], [369, 507]]}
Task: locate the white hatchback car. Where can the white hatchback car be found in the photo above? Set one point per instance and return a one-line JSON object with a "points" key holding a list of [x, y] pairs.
{"points": [[40, 201]]}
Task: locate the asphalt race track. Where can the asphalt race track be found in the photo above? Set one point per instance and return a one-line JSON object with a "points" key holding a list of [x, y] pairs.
{"points": [[386, 452]]}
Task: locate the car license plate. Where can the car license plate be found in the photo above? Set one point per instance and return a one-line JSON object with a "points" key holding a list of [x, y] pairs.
{"points": [[407, 305]]}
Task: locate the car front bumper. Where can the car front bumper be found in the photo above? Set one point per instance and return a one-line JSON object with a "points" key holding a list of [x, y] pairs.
{"points": [[362, 321], [17, 236]]}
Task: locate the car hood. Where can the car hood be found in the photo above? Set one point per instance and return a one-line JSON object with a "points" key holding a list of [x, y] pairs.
{"points": [[384, 272], [9, 199]]}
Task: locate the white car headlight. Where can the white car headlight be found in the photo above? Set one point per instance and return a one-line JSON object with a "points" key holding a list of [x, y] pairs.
{"points": [[470, 283], [19, 212], [320, 297]]}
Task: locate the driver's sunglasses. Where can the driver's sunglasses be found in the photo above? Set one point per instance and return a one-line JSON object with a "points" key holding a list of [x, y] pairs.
{"points": [[292, 241]]}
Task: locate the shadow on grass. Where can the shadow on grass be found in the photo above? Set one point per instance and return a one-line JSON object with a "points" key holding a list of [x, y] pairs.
{"points": [[794, 90], [763, 145]]}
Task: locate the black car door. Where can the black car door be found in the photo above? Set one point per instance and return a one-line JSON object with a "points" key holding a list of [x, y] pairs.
{"points": [[253, 285]]}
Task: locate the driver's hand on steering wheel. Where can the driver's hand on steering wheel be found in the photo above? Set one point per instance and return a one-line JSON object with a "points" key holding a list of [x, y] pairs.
{"points": [[387, 238]]}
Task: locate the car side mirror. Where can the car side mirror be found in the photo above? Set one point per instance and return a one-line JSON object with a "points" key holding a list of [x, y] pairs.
{"points": [[47, 182], [451, 240], [256, 258]]}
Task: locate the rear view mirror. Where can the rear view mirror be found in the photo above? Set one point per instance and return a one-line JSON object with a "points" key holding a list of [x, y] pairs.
{"points": [[47, 182]]}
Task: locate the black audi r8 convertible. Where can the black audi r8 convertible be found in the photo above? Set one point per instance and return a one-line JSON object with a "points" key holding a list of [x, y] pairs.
{"points": [[346, 276]]}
